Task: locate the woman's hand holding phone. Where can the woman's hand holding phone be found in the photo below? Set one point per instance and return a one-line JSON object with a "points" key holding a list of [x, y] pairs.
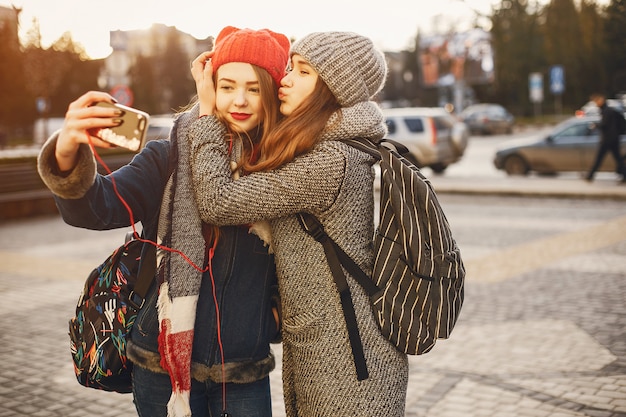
{"points": [[84, 120], [130, 133]]}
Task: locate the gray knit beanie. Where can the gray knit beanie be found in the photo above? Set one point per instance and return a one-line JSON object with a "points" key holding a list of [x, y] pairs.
{"points": [[349, 64]]}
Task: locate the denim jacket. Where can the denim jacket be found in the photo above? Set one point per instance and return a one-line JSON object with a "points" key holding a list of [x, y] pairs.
{"points": [[243, 271]]}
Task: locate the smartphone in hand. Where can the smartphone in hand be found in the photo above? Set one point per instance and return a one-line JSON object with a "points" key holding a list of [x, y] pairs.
{"points": [[131, 134]]}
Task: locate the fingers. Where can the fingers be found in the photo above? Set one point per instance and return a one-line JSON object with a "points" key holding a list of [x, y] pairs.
{"points": [[202, 72], [201, 59], [83, 117], [83, 120], [90, 98], [201, 66]]}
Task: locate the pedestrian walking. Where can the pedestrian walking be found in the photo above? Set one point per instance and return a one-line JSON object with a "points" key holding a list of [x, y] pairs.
{"points": [[610, 127]]}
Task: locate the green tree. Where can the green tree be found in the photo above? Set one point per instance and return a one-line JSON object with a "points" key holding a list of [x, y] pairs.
{"points": [[615, 41], [593, 49], [517, 45], [80, 73], [412, 72], [144, 84], [162, 81], [42, 67], [58, 74], [176, 78], [563, 41], [17, 106]]}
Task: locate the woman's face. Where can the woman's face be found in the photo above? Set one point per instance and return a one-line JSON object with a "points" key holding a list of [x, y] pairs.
{"points": [[238, 96], [297, 85]]}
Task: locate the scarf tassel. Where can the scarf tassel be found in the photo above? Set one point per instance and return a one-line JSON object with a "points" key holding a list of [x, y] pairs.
{"points": [[175, 346]]}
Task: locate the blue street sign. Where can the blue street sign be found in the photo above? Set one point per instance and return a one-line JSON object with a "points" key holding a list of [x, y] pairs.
{"points": [[557, 79]]}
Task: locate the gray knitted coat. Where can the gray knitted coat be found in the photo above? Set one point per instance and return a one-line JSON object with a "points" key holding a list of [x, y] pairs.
{"points": [[335, 183]]}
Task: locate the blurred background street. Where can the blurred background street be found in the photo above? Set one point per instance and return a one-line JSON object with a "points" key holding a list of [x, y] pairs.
{"points": [[492, 98]]}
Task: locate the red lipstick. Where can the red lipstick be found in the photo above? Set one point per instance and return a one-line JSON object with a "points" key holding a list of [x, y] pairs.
{"points": [[240, 116]]}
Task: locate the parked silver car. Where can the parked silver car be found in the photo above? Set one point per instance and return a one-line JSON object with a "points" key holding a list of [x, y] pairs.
{"points": [[487, 119], [434, 137], [570, 146]]}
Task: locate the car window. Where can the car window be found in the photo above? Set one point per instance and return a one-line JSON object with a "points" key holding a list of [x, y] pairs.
{"points": [[391, 126], [414, 125], [497, 111], [580, 129]]}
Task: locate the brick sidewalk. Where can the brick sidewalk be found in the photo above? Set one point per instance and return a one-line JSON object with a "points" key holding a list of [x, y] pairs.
{"points": [[542, 331]]}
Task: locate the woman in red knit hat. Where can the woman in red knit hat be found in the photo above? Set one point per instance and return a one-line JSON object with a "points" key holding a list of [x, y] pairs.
{"points": [[201, 343]]}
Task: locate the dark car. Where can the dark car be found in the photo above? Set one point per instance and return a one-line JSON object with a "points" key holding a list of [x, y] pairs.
{"points": [[487, 119], [570, 146]]}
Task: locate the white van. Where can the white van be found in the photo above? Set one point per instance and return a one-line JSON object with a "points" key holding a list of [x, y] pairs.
{"points": [[434, 137]]}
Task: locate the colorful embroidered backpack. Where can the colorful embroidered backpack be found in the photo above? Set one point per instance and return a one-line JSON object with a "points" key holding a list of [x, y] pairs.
{"points": [[105, 313]]}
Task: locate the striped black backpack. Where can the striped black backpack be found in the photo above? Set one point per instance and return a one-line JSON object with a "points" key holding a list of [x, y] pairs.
{"points": [[417, 285]]}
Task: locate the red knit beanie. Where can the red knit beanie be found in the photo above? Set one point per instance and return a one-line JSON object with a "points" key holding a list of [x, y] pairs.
{"points": [[264, 48]]}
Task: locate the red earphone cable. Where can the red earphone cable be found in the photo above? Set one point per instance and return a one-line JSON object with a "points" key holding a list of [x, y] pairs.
{"points": [[219, 325], [209, 267], [132, 217]]}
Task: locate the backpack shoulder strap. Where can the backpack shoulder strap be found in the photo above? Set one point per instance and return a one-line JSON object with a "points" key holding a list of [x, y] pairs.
{"points": [[313, 227], [336, 257], [373, 148], [366, 145], [145, 274], [147, 268]]}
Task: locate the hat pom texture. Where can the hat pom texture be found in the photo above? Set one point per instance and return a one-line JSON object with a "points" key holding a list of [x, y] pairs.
{"points": [[263, 48], [349, 63]]}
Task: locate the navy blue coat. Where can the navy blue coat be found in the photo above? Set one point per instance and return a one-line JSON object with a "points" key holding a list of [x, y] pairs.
{"points": [[243, 270]]}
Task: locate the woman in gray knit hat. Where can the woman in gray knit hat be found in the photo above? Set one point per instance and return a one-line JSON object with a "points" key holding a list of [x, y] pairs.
{"points": [[305, 166]]}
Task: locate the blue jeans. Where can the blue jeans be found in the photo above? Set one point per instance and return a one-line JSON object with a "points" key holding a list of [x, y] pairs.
{"points": [[152, 391]]}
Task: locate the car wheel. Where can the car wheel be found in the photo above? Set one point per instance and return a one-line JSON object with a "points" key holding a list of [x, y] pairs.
{"points": [[438, 168], [516, 165]]}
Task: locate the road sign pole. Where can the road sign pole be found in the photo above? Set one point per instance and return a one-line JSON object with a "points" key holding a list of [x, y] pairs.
{"points": [[535, 89]]}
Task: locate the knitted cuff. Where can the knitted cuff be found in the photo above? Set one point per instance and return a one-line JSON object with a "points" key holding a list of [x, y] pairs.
{"points": [[69, 185]]}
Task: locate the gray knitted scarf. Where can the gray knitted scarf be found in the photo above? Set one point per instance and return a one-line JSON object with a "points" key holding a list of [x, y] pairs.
{"points": [[180, 228]]}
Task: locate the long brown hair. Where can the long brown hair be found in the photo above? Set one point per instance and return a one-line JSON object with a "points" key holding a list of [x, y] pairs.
{"points": [[251, 140], [298, 133]]}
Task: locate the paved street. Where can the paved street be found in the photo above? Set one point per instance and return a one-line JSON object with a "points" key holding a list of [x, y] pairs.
{"points": [[542, 331]]}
